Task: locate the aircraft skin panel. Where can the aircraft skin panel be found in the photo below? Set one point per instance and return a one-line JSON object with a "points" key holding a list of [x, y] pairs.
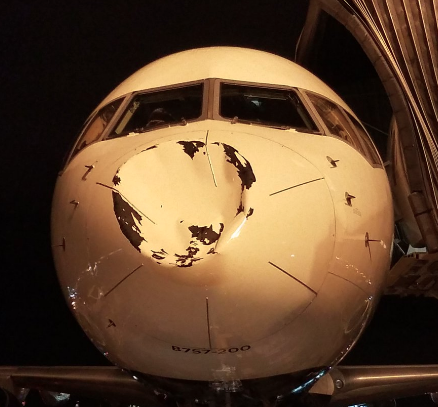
{"points": [[346, 319], [113, 303], [231, 63]]}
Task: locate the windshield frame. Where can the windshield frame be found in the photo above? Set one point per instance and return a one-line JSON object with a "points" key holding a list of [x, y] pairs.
{"points": [[210, 109], [215, 111], [110, 134], [74, 150]]}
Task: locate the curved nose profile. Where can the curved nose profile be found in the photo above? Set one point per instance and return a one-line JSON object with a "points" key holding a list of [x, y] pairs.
{"points": [[243, 223], [220, 247]]}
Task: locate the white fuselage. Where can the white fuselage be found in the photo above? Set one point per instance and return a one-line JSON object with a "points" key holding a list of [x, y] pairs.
{"points": [[217, 250]]}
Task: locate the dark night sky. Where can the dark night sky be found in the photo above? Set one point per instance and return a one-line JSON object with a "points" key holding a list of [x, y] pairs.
{"points": [[58, 60]]}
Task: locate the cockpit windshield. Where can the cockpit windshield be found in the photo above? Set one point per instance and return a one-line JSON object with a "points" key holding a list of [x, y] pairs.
{"points": [[148, 111], [218, 99], [264, 106]]}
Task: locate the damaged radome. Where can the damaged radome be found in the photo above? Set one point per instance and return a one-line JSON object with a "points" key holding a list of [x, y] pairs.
{"points": [[142, 191]]}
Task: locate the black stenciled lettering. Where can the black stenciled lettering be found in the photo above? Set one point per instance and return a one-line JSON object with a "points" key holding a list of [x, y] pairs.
{"points": [[205, 351]]}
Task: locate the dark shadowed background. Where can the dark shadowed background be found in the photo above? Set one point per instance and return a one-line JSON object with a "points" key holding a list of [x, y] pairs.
{"points": [[58, 60]]}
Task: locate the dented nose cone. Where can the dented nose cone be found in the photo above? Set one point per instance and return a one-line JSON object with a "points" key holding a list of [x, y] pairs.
{"points": [[240, 225], [174, 201], [186, 202], [201, 211], [204, 240]]}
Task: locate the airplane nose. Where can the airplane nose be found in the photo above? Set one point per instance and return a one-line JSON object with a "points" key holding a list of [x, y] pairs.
{"points": [[235, 217]]}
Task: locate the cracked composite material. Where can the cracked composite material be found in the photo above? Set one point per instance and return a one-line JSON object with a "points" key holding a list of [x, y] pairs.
{"points": [[191, 147], [126, 216], [198, 235]]}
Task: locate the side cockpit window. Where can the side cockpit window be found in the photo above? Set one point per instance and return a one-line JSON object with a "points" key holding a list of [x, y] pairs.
{"points": [[334, 119], [148, 111], [367, 145], [94, 128], [343, 125], [264, 106]]}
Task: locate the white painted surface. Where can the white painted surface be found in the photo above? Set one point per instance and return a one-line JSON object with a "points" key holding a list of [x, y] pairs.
{"points": [[291, 281], [233, 63]]}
